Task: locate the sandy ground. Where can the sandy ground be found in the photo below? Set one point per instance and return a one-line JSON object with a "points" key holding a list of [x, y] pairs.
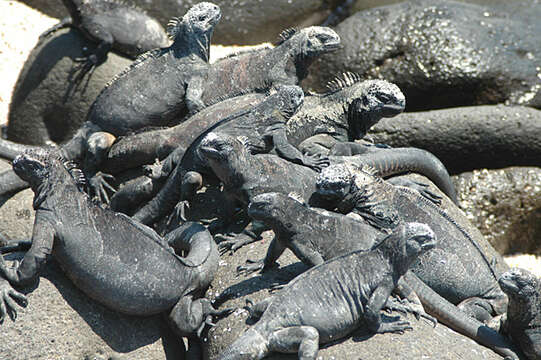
{"points": [[20, 27]]}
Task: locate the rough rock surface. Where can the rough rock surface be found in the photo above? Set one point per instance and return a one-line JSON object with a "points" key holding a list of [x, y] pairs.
{"points": [[423, 342], [61, 322], [442, 53], [505, 205], [467, 138], [45, 95], [243, 21]]}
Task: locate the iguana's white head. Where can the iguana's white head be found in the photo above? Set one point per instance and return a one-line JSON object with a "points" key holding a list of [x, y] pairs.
{"points": [[521, 285], [419, 238], [291, 98]]}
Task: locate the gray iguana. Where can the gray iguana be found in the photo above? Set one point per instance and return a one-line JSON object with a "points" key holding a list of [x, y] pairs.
{"points": [[123, 265], [333, 299], [523, 321], [464, 268], [113, 24], [136, 98], [315, 236], [264, 121]]}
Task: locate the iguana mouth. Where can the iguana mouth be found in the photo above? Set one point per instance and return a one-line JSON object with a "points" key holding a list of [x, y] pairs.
{"points": [[391, 110], [210, 152], [508, 284]]}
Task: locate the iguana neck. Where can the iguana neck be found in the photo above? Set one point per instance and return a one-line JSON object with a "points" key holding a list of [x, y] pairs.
{"points": [[187, 43], [373, 204], [393, 249]]}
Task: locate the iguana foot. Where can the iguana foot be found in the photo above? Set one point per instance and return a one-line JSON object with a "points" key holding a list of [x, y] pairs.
{"points": [[155, 170], [15, 247], [250, 267], [316, 162], [233, 242], [178, 216], [420, 187], [404, 306], [397, 327], [8, 305], [99, 186]]}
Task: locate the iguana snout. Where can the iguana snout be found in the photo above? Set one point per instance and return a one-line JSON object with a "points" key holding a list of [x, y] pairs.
{"points": [[32, 165], [216, 146], [334, 182]]}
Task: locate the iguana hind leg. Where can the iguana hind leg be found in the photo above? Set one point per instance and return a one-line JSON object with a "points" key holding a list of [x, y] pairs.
{"points": [[188, 317], [301, 339]]}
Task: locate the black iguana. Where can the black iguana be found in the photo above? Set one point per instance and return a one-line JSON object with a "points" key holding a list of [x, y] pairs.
{"points": [[315, 236], [124, 265], [333, 299], [113, 24]]}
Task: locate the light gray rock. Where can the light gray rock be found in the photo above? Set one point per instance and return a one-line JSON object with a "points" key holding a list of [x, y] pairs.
{"points": [[243, 21], [442, 53], [467, 138], [45, 105], [505, 205]]}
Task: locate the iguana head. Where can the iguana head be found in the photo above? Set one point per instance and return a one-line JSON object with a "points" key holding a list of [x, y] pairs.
{"points": [[35, 165], [521, 285], [335, 181], [291, 97], [419, 238], [311, 41], [371, 101], [218, 146], [196, 25], [274, 208]]}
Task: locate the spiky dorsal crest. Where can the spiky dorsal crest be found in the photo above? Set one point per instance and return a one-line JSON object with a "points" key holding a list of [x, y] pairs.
{"points": [[173, 27], [286, 35], [342, 81], [76, 173]]}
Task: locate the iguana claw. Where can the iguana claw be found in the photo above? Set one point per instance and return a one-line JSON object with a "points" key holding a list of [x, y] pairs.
{"points": [[99, 186], [8, 305], [233, 242]]}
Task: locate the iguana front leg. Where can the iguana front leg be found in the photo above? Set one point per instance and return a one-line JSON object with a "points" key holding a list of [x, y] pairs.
{"points": [[194, 92], [372, 316], [105, 41], [42, 245], [276, 248]]}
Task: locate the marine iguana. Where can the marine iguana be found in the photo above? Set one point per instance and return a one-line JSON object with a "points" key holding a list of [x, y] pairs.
{"points": [[113, 24], [252, 125], [464, 268], [523, 322], [245, 175], [315, 235], [333, 299], [123, 265]]}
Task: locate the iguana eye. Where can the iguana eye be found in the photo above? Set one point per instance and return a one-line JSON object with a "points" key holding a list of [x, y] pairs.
{"points": [[384, 98], [202, 18]]}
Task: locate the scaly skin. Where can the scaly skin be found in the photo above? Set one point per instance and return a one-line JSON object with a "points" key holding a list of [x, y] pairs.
{"points": [[252, 125], [315, 236], [179, 68], [463, 269], [299, 317], [88, 241], [523, 323]]}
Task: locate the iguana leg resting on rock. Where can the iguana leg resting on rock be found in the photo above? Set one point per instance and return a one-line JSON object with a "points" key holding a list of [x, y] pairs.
{"points": [[122, 264]]}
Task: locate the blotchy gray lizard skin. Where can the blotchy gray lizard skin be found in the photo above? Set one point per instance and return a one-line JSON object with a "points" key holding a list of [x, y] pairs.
{"points": [[333, 299], [122, 264], [523, 322]]}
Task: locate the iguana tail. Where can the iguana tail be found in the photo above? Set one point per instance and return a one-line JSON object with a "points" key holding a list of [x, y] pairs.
{"points": [[9, 149], [395, 161], [250, 345], [11, 183], [196, 240], [457, 320]]}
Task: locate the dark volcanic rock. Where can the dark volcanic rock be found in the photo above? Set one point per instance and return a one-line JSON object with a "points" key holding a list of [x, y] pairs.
{"points": [[243, 21], [422, 342], [470, 137], [45, 105], [442, 53], [505, 205]]}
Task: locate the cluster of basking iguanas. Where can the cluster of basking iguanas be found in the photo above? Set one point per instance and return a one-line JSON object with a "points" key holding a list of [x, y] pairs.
{"points": [[298, 164]]}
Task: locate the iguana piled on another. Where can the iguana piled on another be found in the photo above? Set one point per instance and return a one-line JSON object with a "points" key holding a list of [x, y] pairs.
{"points": [[157, 89], [523, 322], [260, 125], [113, 24], [332, 300], [315, 236], [122, 264], [464, 268]]}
